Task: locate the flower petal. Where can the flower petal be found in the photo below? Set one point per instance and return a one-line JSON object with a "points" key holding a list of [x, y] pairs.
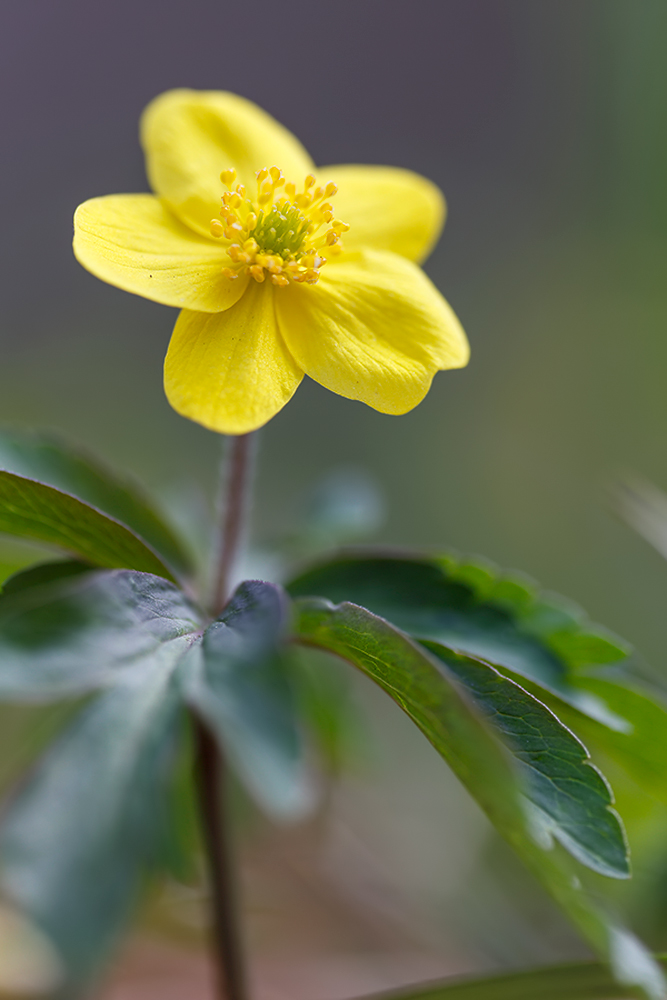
{"points": [[134, 242], [373, 328], [387, 209], [231, 372], [190, 136]]}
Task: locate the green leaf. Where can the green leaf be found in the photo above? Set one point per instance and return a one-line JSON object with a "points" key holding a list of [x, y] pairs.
{"points": [[55, 463], [77, 838], [476, 609], [641, 749], [238, 682], [29, 509], [43, 573], [546, 640], [571, 799], [74, 632], [418, 684], [576, 981]]}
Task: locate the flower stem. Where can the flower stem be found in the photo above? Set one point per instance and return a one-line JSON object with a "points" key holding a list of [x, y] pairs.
{"points": [[234, 494], [226, 937], [210, 766]]}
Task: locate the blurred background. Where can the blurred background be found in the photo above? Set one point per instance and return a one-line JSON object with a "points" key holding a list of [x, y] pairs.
{"points": [[545, 124]]}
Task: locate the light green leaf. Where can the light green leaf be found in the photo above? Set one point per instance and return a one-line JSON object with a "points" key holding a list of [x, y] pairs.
{"points": [[29, 509], [576, 981], [237, 681], [90, 818], [74, 632], [413, 678], [571, 799], [55, 463]]}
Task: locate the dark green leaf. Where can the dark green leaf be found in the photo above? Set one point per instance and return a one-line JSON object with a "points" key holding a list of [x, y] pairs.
{"points": [[73, 633], [29, 509], [26, 731], [414, 680], [88, 822], [412, 677], [55, 463], [238, 682], [571, 798], [641, 749], [576, 981], [43, 573], [474, 608]]}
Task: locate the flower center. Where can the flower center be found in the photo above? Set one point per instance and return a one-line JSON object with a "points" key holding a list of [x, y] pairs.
{"points": [[278, 233]]}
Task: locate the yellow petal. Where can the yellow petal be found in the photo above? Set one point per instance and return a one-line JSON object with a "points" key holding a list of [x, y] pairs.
{"points": [[231, 372], [190, 136], [387, 209], [373, 328], [134, 242]]}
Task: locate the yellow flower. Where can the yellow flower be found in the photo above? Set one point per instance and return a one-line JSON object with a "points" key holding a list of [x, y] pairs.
{"points": [[276, 274]]}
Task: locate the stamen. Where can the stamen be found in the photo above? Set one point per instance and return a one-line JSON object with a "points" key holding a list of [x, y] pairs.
{"points": [[276, 232]]}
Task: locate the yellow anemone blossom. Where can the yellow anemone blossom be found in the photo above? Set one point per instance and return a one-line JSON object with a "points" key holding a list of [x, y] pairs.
{"points": [[277, 273]]}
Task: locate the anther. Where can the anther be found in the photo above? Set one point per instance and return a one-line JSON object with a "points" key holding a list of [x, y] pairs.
{"points": [[275, 234]]}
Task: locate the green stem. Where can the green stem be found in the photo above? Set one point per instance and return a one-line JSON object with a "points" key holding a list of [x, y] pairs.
{"points": [[234, 495], [210, 766]]}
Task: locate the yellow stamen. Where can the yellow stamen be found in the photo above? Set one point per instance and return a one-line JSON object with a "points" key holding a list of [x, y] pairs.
{"points": [[276, 233]]}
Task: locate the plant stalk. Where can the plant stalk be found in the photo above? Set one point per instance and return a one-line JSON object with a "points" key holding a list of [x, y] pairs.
{"points": [[226, 932], [210, 765], [234, 501]]}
